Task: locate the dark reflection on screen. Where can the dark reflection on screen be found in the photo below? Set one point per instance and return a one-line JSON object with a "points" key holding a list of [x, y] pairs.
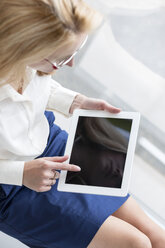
{"points": [[100, 148]]}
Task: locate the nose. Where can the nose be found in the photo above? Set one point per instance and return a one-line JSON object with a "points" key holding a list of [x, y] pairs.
{"points": [[70, 63]]}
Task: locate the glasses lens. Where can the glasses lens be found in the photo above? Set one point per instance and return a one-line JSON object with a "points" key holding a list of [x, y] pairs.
{"points": [[83, 43], [67, 59]]}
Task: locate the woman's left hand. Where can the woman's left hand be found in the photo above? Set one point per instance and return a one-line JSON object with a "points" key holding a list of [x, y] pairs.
{"points": [[83, 102]]}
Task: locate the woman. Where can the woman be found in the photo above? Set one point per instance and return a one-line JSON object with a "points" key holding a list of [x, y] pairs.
{"points": [[43, 35]]}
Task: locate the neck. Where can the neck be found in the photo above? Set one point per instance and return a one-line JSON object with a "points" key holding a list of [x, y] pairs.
{"points": [[18, 87]]}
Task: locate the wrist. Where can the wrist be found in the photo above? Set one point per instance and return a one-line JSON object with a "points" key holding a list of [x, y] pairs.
{"points": [[77, 103], [23, 177], [24, 174]]}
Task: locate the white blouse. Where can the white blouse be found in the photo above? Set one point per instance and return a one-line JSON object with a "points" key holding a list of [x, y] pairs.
{"points": [[24, 129]]}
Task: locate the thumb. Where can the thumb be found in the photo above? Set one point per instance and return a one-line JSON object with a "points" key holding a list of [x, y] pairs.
{"points": [[112, 109]]}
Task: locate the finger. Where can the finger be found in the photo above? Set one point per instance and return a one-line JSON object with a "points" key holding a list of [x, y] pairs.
{"points": [[108, 107], [48, 174], [62, 166], [48, 182], [100, 104], [44, 188], [57, 159], [111, 108], [51, 174], [57, 175], [52, 182]]}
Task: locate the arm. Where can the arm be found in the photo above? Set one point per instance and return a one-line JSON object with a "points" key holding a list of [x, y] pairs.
{"points": [[39, 173], [34, 174], [83, 102], [66, 101], [11, 172], [60, 98]]}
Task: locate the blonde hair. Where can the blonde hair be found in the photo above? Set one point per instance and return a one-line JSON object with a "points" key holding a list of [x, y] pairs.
{"points": [[30, 30]]}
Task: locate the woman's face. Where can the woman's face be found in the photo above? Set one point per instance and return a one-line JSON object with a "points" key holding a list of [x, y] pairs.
{"points": [[62, 53]]}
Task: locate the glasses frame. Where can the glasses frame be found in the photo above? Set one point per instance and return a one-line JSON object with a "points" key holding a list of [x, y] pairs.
{"points": [[66, 61]]}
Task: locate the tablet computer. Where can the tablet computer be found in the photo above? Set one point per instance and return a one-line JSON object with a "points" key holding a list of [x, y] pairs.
{"points": [[103, 145]]}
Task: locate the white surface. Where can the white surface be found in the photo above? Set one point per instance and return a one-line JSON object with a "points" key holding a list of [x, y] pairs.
{"points": [[149, 186], [135, 117], [9, 242], [123, 75], [152, 149], [130, 4]]}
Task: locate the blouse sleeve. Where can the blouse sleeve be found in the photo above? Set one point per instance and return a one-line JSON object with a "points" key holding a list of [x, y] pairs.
{"points": [[11, 172], [60, 98]]}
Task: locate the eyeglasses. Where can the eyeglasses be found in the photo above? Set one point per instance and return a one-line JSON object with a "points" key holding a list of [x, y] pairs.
{"points": [[59, 64]]}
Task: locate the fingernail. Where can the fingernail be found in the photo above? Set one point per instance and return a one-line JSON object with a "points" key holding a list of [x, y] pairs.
{"points": [[78, 168]]}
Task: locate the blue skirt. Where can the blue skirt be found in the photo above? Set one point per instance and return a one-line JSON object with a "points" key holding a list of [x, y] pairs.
{"points": [[53, 219]]}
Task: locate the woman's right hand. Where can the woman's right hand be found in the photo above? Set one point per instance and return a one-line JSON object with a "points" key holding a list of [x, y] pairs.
{"points": [[39, 174]]}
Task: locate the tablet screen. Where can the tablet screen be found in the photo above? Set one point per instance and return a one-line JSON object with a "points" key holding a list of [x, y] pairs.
{"points": [[100, 149]]}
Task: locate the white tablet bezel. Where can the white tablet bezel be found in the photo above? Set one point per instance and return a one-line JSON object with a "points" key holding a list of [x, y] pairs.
{"points": [[135, 117]]}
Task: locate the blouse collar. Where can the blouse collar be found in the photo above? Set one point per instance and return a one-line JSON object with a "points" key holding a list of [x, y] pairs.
{"points": [[7, 91]]}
